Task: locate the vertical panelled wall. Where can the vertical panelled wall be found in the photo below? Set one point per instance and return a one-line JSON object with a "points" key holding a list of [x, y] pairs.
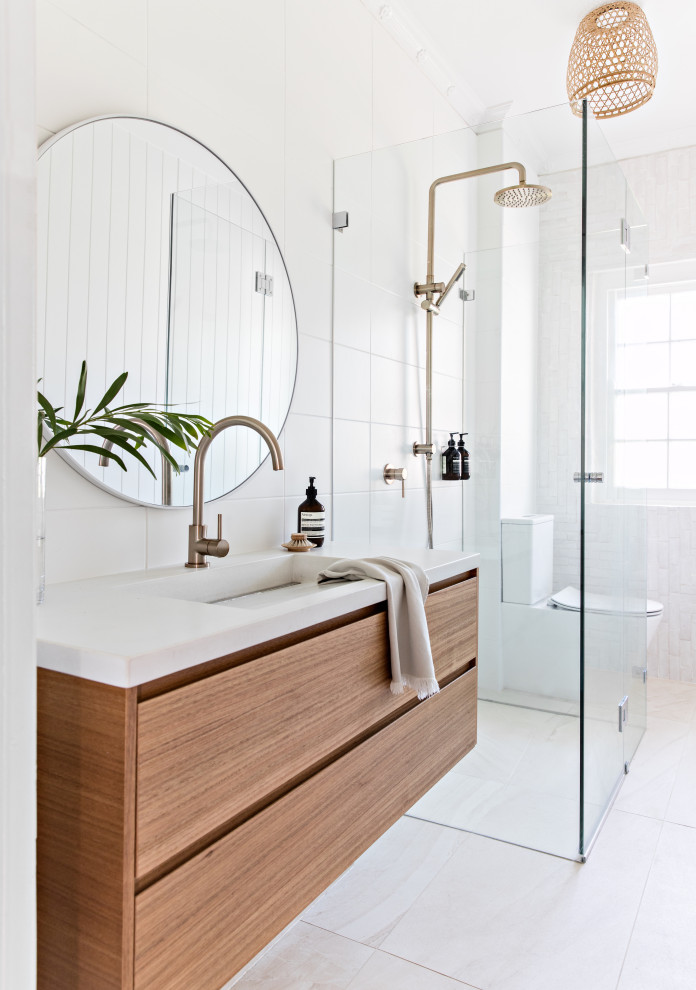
{"points": [[309, 82]]}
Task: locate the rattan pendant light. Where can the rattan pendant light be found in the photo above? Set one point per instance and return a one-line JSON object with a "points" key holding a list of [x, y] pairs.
{"points": [[613, 61]]}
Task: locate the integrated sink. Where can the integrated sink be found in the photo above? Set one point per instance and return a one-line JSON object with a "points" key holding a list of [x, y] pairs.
{"points": [[250, 584]]}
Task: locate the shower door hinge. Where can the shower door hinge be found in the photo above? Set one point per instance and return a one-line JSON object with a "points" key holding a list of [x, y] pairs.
{"points": [[596, 477], [623, 712], [641, 672], [467, 295], [264, 284], [339, 221], [625, 235]]}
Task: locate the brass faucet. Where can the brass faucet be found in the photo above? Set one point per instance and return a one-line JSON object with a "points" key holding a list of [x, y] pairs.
{"points": [[200, 546], [166, 465]]}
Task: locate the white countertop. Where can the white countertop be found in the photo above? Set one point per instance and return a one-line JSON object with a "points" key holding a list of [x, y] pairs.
{"points": [[127, 629]]}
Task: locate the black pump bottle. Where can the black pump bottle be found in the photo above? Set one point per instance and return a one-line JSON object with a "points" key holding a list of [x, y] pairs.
{"points": [[464, 454], [451, 462], [311, 517]]}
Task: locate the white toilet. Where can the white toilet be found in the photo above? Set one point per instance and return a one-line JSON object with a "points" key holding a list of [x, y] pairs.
{"points": [[541, 629], [569, 599]]}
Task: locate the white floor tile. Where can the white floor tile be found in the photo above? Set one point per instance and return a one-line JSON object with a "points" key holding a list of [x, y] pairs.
{"points": [[505, 918], [369, 900], [671, 699], [662, 951], [648, 787], [383, 971], [307, 958], [681, 808]]}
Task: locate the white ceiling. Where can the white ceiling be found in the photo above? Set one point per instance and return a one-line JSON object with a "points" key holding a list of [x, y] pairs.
{"points": [[500, 51]]}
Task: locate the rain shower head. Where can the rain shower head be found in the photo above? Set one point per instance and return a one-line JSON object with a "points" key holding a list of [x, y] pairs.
{"points": [[523, 194]]}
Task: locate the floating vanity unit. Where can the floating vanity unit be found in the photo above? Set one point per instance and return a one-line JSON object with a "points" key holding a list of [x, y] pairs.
{"points": [[210, 765]]}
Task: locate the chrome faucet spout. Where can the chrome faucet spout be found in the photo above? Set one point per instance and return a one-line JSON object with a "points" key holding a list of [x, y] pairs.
{"points": [[200, 546]]}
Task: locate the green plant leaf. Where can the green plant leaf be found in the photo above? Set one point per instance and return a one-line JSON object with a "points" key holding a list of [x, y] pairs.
{"points": [[111, 392], [81, 389], [39, 429], [96, 450], [57, 438], [48, 409]]}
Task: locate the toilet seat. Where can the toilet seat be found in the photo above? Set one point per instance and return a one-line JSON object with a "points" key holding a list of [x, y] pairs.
{"points": [[569, 599]]}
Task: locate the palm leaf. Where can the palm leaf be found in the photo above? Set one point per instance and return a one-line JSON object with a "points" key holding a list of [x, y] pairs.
{"points": [[97, 450], [48, 410], [111, 392], [81, 388]]}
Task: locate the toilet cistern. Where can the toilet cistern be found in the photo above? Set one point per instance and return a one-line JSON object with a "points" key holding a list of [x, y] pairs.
{"points": [[200, 546]]}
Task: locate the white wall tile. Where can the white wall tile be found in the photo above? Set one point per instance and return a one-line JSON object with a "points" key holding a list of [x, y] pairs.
{"points": [[351, 517], [351, 383], [311, 287], [313, 389], [66, 489], [353, 194], [394, 445], [351, 310], [398, 521], [307, 452], [124, 25], [447, 403], [352, 457], [83, 543], [252, 524], [397, 393], [398, 327], [196, 56], [79, 74]]}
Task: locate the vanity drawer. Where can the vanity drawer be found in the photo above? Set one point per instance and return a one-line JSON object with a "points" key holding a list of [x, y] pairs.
{"points": [[200, 924], [211, 750], [452, 615]]}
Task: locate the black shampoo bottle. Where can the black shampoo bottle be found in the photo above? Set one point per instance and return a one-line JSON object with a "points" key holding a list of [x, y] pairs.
{"points": [[311, 517]]}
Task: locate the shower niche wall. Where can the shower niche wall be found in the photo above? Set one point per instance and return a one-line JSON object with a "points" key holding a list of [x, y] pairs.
{"points": [[526, 359]]}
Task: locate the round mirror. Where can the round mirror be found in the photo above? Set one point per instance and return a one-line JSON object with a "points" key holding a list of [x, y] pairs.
{"points": [[155, 259]]}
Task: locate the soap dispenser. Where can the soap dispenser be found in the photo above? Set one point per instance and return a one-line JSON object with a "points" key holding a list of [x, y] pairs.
{"points": [[311, 517], [451, 462], [464, 454]]}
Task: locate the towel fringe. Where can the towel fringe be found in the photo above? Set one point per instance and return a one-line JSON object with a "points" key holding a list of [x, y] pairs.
{"points": [[425, 686]]}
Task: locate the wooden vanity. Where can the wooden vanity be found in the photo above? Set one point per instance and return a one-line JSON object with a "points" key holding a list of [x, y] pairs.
{"points": [[186, 821]]}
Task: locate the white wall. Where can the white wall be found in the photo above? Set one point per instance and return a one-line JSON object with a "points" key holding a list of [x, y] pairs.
{"points": [[665, 186], [278, 88], [17, 480]]}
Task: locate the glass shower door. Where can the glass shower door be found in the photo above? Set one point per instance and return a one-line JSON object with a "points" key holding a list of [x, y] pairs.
{"points": [[612, 514]]}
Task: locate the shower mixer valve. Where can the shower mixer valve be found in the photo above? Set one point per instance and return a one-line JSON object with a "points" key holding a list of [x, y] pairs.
{"points": [[392, 474]]}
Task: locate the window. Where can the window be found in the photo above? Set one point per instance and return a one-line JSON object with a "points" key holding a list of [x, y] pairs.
{"points": [[655, 382]]}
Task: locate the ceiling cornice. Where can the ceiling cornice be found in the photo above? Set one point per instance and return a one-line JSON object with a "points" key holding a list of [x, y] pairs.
{"points": [[422, 49]]}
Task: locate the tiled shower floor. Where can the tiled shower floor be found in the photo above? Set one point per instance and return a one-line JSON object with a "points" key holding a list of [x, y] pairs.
{"points": [[520, 784]]}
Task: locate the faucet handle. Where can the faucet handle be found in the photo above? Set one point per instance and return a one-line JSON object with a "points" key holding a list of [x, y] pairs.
{"points": [[218, 547], [392, 474]]}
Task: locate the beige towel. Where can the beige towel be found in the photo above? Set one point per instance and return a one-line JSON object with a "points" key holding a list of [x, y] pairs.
{"points": [[409, 641]]}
